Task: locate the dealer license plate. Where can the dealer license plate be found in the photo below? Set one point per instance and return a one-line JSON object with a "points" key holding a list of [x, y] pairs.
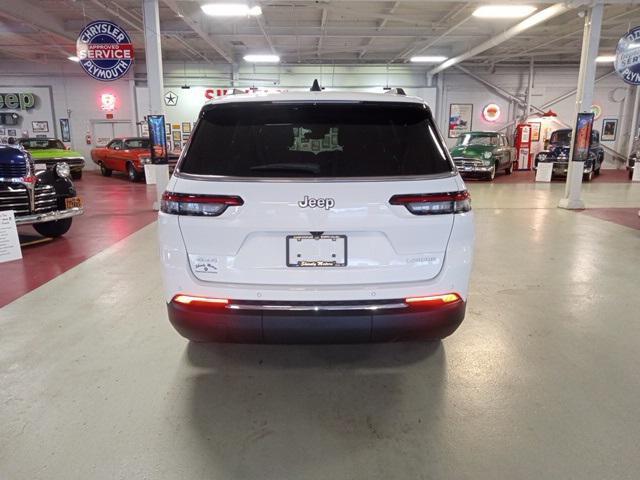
{"points": [[318, 251], [73, 202]]}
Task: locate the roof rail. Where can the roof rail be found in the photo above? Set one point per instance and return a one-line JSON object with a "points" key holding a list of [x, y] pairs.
{"points": [[396, 91], [316, 86]]}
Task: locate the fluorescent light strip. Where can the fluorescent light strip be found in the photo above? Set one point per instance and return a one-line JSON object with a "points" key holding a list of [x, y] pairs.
{"points": [[231, 10], [262, 58], [504, 11], [606, 59], [428, 59], [73, 58]]}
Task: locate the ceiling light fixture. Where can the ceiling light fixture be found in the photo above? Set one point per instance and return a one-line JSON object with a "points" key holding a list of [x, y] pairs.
{"points": [[428, 59], [262, 58], [231, 10], [73, 58], [504, 11], [606, 59]]}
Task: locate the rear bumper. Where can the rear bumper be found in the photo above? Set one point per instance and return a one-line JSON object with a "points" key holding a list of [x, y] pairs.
{"points": [[323, 322]]}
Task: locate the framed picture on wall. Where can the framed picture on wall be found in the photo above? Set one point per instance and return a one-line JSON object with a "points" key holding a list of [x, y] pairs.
{"points": [[460, 119], [65, 130], [535, 131], [167, 127], [40, 126], [609, 129], [177, 139], [186, 127], [2, 131], [12, 132]]}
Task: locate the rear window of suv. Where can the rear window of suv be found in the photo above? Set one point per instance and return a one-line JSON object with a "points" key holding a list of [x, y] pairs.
{"points": [[335, 140]]}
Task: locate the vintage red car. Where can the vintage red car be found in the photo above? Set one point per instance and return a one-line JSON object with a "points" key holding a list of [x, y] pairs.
{"points": [[127, 155]]}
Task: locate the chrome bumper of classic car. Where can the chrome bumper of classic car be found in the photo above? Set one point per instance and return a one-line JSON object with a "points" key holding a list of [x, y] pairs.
{"points": [[560, 169], [49, 216], [471, 166], [74, 163]]}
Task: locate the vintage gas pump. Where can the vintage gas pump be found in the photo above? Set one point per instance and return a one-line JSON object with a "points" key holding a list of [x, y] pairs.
{"points": [[523, 146]]}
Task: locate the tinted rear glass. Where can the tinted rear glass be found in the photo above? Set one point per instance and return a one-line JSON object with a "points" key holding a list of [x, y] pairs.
{"points": [[315, 140]]}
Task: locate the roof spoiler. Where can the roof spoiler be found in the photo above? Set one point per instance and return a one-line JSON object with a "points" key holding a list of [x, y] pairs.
{"points": [[316, 86], [396, 91]]}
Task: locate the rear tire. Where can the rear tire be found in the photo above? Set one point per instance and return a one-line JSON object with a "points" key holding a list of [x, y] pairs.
{"points": [[106, 172], [53, 229], [76, 175], [587, 177], [132, 174], [509, 170]]}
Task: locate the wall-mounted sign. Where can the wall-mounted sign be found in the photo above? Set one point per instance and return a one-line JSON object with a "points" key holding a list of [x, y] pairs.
{"points": [[105, 50], [460, 119], [596, 110], [65, 130], [609, 129], [627, 62], [40, 126], [491, 112], [107, 102], [170, 99], [17, 101]]}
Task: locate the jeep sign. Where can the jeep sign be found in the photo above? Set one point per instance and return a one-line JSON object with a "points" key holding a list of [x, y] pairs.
{"points": [[17, 101]]}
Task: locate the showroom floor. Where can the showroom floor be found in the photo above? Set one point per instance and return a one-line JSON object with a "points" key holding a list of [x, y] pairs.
{"points": [[541, 381]]}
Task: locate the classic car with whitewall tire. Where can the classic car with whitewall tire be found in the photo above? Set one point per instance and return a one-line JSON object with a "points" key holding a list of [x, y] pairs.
{"points": [[559, 149], [46, 199], [48, 152], [483, 154]]}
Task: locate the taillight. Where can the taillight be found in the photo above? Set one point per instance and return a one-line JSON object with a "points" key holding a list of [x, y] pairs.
{"points": [[434, 203], [199, 205], [434, 300], [204, 302]]}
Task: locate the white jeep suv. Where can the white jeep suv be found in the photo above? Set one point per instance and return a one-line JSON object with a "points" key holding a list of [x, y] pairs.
{"points": [[316, 217]]}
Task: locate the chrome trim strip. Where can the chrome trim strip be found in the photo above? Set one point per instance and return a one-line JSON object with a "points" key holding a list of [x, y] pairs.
{"points": [[317, 308], [218, 178], [49, 216]]}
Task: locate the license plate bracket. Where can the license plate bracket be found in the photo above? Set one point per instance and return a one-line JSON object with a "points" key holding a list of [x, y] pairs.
{"points": [[304, 251]]}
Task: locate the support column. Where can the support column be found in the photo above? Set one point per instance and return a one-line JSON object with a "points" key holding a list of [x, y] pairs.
{"points": [[584, 100], [527, 110], [155, 86], [634, 122]]}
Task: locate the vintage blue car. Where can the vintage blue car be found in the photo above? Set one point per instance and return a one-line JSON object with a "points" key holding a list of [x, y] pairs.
{"points": [[558, 153], [45, 199]]}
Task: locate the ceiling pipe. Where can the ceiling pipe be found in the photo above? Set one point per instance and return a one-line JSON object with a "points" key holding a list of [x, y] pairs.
{"points": [[526, 24]]}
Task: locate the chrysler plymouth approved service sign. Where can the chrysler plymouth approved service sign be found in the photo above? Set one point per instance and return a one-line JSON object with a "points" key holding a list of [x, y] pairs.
{"points": [[105, 50]]}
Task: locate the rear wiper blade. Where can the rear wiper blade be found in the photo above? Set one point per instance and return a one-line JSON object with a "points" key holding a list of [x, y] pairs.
{"points": [[292, 167]]}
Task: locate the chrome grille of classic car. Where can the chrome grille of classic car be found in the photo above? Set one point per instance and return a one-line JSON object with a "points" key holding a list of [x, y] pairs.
{"points": [[467, 162], [13, 170], [15, 197], [45, 199]]}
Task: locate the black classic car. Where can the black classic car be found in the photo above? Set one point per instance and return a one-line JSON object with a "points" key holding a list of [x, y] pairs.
{"points": [[46, 199], [635, 154], [558, 153]]}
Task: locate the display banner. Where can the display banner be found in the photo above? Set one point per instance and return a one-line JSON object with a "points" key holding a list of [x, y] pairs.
{"points": [[627, 62], [105, 50], [9, 241], [158, 139], [460, 119], [582, 141]]}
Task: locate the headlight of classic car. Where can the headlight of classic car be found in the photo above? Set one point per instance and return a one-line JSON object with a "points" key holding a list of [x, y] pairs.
{"points": [[63, 170], [541, 157], [144, 160], [487, 155]]}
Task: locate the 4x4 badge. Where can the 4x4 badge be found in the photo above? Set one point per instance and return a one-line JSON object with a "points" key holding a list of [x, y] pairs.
{"points": [[326, 203]]}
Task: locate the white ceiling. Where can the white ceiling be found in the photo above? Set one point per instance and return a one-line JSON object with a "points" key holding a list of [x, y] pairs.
{"points": [[308, 31]]}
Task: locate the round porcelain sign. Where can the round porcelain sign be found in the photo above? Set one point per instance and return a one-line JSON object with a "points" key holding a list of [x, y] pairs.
{"points": [[105, 50], [491, 113], [627, 63]]}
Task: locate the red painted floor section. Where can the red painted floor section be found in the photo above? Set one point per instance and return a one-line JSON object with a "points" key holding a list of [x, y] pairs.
{"points": [[114, 209], [606, 176], [627, 217]]}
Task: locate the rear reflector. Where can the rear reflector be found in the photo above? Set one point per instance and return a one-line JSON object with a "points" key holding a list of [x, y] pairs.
{"points": [[434, 300], [434, 203], [199, 205], [192, 301]]}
